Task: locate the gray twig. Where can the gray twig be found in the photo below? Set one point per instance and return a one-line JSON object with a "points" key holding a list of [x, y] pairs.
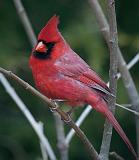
{"points": [[116, 156], [43, 150], [25, 21], [61, 142], [130, 110]]}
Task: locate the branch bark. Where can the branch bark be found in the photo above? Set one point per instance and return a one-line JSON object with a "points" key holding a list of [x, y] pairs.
{"points": [[116, 156], [127, 78], [61, 142], [65, 117], [113, 47], [25, 21], [35, 125]]}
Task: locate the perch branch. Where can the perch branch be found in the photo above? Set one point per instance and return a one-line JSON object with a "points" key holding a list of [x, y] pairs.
{"points": [[28, 115], [65, 117]]}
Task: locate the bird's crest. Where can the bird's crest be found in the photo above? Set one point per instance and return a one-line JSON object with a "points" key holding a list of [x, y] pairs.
{"points": [[50, 32]]}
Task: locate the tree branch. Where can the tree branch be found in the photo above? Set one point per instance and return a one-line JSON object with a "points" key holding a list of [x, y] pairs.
{"points": [[65, 117], [116, 156], [127, 79], [113, 47], [25, 21], [61, 143], [43, 150], [35, 125]]}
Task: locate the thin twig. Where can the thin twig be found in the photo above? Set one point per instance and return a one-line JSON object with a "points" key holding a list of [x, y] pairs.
{"points": [[25, 21], [130, 64], [88, 109], [28, 115], [65, 117], [127, 79], [43, 150], [116, 156], [130, 110], [61, 143]]}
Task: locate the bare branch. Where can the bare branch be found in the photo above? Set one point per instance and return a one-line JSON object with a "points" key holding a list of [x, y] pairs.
{"points": [[116, 156], [130, 64], [29, 116], [127, 79], [113, 47], [61, 143], [25, 21], [43, 150], [65, 117], [130, 110]]}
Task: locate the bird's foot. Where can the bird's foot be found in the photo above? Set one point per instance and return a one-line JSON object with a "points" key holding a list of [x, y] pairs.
{"points": [[53, 109], [68, 119]]}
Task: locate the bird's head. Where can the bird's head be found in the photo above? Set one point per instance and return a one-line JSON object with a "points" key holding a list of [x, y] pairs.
{"points": [[48, 38]]}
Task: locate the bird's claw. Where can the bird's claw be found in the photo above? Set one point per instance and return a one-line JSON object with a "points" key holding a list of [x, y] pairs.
{"points": [[53, 109], [67, 120]]}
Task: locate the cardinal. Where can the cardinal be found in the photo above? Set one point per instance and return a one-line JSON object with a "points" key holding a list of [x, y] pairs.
{"points": [[60, 74]]}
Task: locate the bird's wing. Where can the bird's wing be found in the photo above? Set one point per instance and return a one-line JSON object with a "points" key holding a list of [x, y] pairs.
{"points": [[73, 66]]}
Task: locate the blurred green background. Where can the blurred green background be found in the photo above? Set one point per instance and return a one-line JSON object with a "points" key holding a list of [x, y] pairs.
{"points": [[78, 25]]}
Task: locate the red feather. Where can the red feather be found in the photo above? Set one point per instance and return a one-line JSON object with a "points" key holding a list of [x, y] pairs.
{"points": [[59, 73], [50, 31]]}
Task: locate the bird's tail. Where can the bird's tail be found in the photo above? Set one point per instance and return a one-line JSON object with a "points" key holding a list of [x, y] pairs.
{"points": [[120, 131], [102, 107]]}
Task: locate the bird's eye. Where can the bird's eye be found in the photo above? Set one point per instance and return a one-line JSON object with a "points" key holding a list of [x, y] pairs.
{"points": [[43, 50], [41, 47]]}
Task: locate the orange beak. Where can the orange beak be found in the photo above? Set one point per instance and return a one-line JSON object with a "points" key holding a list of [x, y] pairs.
{"points": [[41, 47]]}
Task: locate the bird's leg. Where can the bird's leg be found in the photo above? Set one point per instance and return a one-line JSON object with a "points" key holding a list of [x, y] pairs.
{"points": [[69, 118], [54, 108], [68, 114], [55, 101]]}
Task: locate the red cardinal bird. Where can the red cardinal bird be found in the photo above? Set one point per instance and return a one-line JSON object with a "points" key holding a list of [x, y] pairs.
{"points": [[59, 73]]}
